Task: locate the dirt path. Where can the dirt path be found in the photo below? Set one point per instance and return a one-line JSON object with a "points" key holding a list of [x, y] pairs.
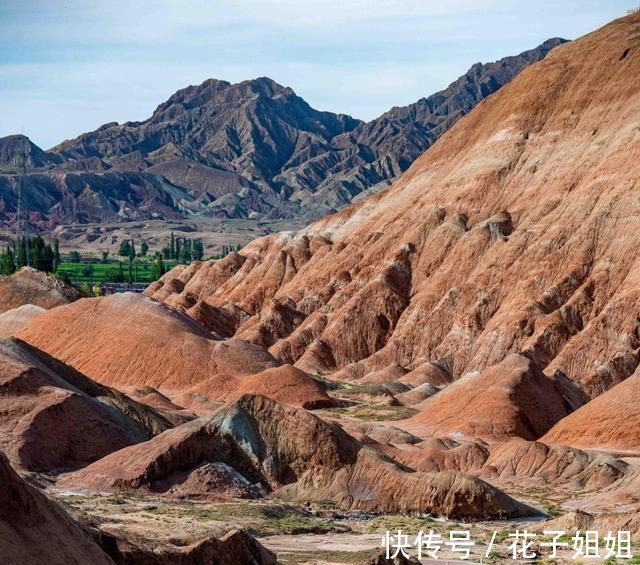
{"points": [[321, 542]]}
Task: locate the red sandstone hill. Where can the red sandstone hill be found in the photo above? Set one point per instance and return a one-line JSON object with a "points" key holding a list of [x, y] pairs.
{"points": [[284, 384], [515, 233], [518, 463], [29, 286], [236, 547], [130, 341], [127, 339], [52, 417], [35, 530], [611, 420], [529, 404], [255, 442]]}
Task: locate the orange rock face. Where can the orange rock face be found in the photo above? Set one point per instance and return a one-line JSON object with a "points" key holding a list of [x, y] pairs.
{"points": [[132, 342], [518, 459], [294, 455], [285, 384], [52, 417], [514, 234], [610, 421], [127, 340], [31, 526], [29, 286], [495, 288], [510, 399]]}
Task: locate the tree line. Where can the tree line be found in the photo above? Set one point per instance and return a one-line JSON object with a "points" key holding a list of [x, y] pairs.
{"points": [[226, 249], [33, 251], [183, 250], [39, 254]]}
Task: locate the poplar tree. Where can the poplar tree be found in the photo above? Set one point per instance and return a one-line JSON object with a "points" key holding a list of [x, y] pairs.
{"points": [[56, 254]]}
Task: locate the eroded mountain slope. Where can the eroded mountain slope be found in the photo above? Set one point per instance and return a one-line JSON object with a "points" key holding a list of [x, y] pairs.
{"points": [[515, 233], [32, 526], [30, 286], [52, 417], [131, 342], [256, 446]]}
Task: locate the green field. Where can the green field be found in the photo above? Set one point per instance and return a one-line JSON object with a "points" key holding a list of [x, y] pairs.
{"points": [[77, 273]]}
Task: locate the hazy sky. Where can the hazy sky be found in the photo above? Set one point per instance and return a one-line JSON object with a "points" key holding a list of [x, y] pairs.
{"points": [[69, 66]]}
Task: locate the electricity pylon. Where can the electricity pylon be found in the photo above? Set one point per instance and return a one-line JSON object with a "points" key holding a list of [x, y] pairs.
{"points": [[22, 230]]}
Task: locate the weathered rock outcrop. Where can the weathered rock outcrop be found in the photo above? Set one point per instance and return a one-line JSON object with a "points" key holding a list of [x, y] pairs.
{"points": [[34, 530], [610, 421], [127, 339], [283, 384], [234, 548], [12, 321], [417, 395], [130, 341], [604, 523], [52, 417], [511, 399], [294, 455], [30, 286], [519, 464], [554, 465], [13, 146], [511, 234]]}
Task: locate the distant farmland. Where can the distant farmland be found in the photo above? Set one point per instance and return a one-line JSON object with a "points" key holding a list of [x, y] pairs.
{"points": [[99, 273]]}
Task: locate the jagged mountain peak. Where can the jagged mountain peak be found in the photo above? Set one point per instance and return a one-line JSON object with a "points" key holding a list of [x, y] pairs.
{"points": [[12, 146], [503, 255], [213, 92], [258, 148]]}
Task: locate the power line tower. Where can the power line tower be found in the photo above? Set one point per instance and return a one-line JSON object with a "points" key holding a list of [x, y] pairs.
{"points": [[22, 216]]}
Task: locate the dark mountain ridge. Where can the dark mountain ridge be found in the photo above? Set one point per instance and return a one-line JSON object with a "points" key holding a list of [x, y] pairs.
{"points": [[252, 149]]}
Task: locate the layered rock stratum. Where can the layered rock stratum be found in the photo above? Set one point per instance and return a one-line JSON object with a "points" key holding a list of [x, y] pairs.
{"points": [[513, 234], [53, 417], [236, 547], [293, 454], [609, 421], [488, 303], [35, 530], [130, 341]]}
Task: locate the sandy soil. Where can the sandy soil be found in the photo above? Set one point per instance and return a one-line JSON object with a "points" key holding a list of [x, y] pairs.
{"points": [[92, 239], [299, 535]]}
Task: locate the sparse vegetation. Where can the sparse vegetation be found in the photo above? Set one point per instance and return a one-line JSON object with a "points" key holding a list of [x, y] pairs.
{"points": [[376, 412], [259, 519], [346, 557], [395, 522]]}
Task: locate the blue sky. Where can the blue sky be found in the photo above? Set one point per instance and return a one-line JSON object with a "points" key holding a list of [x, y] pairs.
{"points": [[69, 66]]}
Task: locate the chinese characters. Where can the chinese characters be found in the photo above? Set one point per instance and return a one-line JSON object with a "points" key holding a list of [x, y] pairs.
{"points": [[522, 545]]}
